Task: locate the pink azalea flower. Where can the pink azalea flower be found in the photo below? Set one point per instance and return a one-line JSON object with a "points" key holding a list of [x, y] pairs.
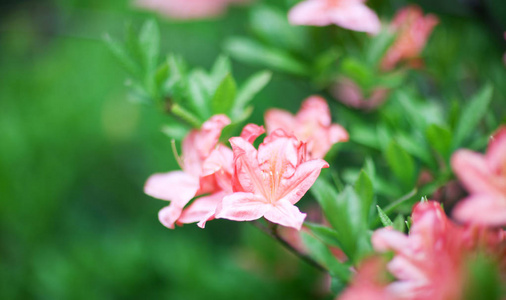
{"points": [[484, 176], [413, 30], [187, 9], [269, 181], [349, 14], [204, 167], [312, 124], [431, 263], [349, 93]]}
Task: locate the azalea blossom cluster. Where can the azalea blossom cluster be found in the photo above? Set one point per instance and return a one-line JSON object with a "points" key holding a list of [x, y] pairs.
{"points": [[244, 183], [265, 170], [432, 262]]}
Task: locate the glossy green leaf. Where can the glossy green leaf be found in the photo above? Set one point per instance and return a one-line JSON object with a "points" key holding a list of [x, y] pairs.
{"points": [[324, 233], [471, 115], [385, 220], [401, 163], [440, 139], [248, 90], [252, 52], [365, 192], [224, 97], [324, 256], [149, 44]]}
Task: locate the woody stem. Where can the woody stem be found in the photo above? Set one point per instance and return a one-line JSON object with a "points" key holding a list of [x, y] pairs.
{"points": [[273, 232]]}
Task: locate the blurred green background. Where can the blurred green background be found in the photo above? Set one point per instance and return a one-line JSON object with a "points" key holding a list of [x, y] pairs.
{"points": [[74, 155]]}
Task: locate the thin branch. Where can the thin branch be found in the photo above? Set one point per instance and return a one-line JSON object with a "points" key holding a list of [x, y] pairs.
{"points": [[273, 232]]}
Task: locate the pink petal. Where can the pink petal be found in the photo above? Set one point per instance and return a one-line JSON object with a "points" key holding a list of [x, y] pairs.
{"points": [[473, 171], [496, 152], [483, 209], [250, 132], [169, 215], [386, 239], [337, 133], [277, 118], [242, 207], [176, 186], [221, 158], [247, 176], [202, 209], [286, 214], [310, 12], [314, 110], [280, 154], [293, 188], [199, 143], [356, 16]]}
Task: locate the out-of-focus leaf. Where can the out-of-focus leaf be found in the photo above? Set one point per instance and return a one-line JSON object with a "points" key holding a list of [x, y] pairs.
{"points": [[415, 148], [186, 116], [149, 43], [272, 26], [198, 94], [248, 90], [357, 71], [378, 46], [326, 234], [365, 192], [399, 223], [121, 53], [324, 256], [221, 68], [175, 130], [401, 163], [224, 97], [344, 213], [471, 115], [440, 139], [484, 281], [385, 220], [252, 52]]}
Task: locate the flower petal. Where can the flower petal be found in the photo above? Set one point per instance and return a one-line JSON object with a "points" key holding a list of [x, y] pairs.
{"points": [[177, 186], [496, 152], [483, 209], [169, 215], [277, 118], [242, 207], [247, 174], [355, 16], [386, 239], [293, 188], [309, 13], [202, 209], [250, 132], [473, 171], [286, 214], [314, 110]]}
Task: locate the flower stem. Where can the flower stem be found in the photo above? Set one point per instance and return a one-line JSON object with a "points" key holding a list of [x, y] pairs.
{"points": [[273, 232]]}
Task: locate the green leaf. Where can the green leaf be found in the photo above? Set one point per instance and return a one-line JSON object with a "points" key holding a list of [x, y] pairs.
{"points": [[198, 93], [249, 89], [324, 233], [471, 115], [224, 97], [149, 43], [484, 280], [271, 25], [399, 223], [401, 163], [379, 45], [440, 139], [221, 68], [385, 220], [344, 213], [121, 53], [324, 256], [365, 192], [252, 52]]}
